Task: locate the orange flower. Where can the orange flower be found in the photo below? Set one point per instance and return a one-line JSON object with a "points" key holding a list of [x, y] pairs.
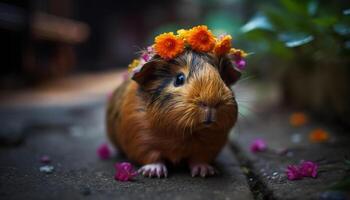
{"points": [[168, 46], [223, 45], [298, 119], [200, 39], [319, 135]]}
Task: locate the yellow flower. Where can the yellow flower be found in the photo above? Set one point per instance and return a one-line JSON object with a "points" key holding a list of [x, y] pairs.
{"points": [[133, 64], [223, 45], [238, 52], [168, 46], [182, 33], [200, 39]]}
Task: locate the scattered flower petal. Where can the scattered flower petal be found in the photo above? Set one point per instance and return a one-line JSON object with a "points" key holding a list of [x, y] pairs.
{"points": [[258, 145], [124, 172], [45, 159], [319, 135], [104, 151], [308, 169], [293, 173], [298, 119]]}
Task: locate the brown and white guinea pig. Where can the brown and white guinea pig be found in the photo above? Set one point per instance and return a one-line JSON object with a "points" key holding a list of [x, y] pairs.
{"points": [[175, 110]]}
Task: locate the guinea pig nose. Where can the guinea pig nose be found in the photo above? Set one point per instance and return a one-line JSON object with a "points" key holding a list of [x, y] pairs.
{"points": [[209, 115]]}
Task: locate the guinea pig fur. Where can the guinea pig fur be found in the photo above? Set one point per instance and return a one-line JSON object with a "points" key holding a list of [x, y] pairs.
{"points": [[175, 110]]}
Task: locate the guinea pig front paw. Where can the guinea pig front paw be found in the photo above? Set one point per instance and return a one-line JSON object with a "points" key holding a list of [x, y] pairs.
{"points": [[202, 169], [153, 170]]}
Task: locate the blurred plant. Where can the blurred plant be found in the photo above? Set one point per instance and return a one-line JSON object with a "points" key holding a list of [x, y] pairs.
{"points": [[305, 44], [308, 29]]}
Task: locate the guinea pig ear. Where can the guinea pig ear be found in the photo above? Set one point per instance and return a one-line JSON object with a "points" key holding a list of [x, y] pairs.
{"points": [[146, 72], [228, 72]]}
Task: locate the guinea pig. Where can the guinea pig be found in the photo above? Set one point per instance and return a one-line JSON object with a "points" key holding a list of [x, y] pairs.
{"points": [[178, 110]]}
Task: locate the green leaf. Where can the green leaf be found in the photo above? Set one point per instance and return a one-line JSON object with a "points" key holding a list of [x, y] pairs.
{"points": [[342, 29], [295, 39], [259, 21], [325, 21], [295, 6]]}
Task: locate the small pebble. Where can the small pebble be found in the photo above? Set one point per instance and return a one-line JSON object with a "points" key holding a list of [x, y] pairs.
{"points": [[48, 169], [45, 159], [296, 138], [275, 174]]}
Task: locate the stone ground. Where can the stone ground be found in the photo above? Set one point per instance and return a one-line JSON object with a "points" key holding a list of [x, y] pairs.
{"points": [[71, 132]]}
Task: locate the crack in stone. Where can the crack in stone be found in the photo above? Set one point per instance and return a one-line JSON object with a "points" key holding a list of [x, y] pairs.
{"points": [[256, 185]]}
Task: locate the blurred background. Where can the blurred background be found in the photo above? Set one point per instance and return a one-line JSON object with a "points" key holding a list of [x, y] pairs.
{"points": [[60, 60], [299, 47]]}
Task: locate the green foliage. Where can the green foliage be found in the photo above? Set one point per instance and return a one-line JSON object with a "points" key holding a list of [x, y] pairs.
{"points": [[307, 29]]}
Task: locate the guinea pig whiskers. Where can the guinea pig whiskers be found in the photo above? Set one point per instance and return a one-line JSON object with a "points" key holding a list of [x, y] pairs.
{"points": [[247, 107], [242, 80]]}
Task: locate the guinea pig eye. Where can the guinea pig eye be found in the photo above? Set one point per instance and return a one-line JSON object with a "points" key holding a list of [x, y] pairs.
{"points": [[180, 80]]}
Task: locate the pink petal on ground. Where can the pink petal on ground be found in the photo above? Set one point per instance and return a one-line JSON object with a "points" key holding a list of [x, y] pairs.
{"points": [[45, 159], [124, 171], [293, 173], [308, 169], [103, 151], [258, 145]]}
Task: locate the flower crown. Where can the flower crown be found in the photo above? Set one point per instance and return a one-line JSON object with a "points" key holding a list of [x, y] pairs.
{"points": [[199, 38]]}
